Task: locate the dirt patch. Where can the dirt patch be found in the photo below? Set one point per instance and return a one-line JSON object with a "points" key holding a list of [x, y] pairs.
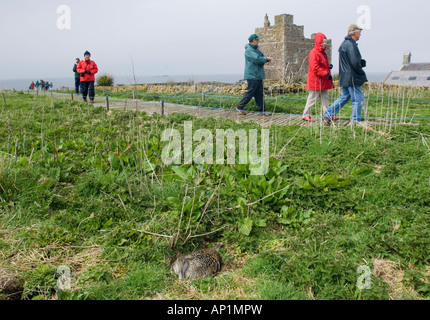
{"points": [[11, 287]]}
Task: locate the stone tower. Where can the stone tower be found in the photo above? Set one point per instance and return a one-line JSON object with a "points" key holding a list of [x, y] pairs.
{"points": [[286, 44]]}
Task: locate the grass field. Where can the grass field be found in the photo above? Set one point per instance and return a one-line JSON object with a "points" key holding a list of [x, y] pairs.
{"points": [[87, 189]]}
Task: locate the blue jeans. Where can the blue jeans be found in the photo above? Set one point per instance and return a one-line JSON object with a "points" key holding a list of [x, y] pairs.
{"points": [[354, 93], [87, 88], [77, 85], [255, 90]]}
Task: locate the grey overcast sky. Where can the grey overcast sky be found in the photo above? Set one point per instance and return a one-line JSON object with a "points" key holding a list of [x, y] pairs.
{"points": [[178, 37]]}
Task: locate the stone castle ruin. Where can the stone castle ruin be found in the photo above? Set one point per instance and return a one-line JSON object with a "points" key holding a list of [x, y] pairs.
{"points": [[286, 44]]}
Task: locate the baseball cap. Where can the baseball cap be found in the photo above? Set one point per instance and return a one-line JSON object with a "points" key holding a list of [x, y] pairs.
{"points": [[253, 37], [354, 27]]}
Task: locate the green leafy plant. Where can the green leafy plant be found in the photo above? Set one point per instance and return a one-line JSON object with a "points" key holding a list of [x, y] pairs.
{"points": [[323, 182], [294, 218], [187, 206], [245, 226]]}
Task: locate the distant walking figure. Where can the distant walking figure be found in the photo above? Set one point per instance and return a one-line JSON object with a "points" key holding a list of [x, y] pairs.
{"points": [[351, 77], [87, 68], [254, 74], [77, 76], [320, 80]]}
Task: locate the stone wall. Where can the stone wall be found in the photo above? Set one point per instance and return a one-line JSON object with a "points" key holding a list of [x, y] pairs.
{"points": [[286, 44]]}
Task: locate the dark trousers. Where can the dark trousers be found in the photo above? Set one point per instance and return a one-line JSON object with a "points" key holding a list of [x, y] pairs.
{"points": [[255, 90], [87, 88], [77, 85]]}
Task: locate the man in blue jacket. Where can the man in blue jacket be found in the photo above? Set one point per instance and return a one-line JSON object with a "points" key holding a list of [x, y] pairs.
{"points": [[77, 76], [351, 77], [254, 74]]}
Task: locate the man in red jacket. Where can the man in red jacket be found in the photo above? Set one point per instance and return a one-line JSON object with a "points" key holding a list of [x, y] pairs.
{"points": [[319, 77], [87, 68]]}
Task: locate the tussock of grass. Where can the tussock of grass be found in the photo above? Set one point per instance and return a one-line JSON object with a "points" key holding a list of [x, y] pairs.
{"points": [[391, 273]]}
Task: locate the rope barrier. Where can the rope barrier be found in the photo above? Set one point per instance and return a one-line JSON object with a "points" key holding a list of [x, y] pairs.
{"points": [[237, 97]]}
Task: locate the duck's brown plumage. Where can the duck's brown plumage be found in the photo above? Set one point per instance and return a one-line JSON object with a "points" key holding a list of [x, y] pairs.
{"points": [[198, 264]]}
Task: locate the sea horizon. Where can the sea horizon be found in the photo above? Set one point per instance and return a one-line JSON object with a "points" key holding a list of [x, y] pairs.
{"points": [[59, 82]]}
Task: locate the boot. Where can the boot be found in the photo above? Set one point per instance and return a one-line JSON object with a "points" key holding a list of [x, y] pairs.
{"points": [[85, 99], [265, 113], [92, 101], [327, 121], [241, 112]]}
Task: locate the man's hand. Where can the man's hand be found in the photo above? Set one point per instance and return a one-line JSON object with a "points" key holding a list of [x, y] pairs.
{"points": [[88, 72], [269, 59]]}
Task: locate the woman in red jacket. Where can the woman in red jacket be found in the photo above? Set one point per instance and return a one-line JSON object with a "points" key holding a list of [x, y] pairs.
{"points": [[87, 68], [319, 77]]}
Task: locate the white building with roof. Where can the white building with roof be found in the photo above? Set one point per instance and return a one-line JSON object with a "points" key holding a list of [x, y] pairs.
{"points": [[410, 74]]}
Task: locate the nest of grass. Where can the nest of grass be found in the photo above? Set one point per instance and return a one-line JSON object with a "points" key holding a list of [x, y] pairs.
{"points": [[230, 283]]}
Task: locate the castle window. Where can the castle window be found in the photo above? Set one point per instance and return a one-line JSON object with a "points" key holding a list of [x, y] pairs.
{"points": [[412, 78], [428, 78], [395, 78]]}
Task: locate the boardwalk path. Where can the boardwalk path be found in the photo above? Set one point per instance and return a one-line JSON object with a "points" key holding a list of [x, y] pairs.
{"points": [[203, 112]]}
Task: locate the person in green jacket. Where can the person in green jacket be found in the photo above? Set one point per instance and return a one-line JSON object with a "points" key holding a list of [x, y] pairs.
{"points": [[254, 74]]}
